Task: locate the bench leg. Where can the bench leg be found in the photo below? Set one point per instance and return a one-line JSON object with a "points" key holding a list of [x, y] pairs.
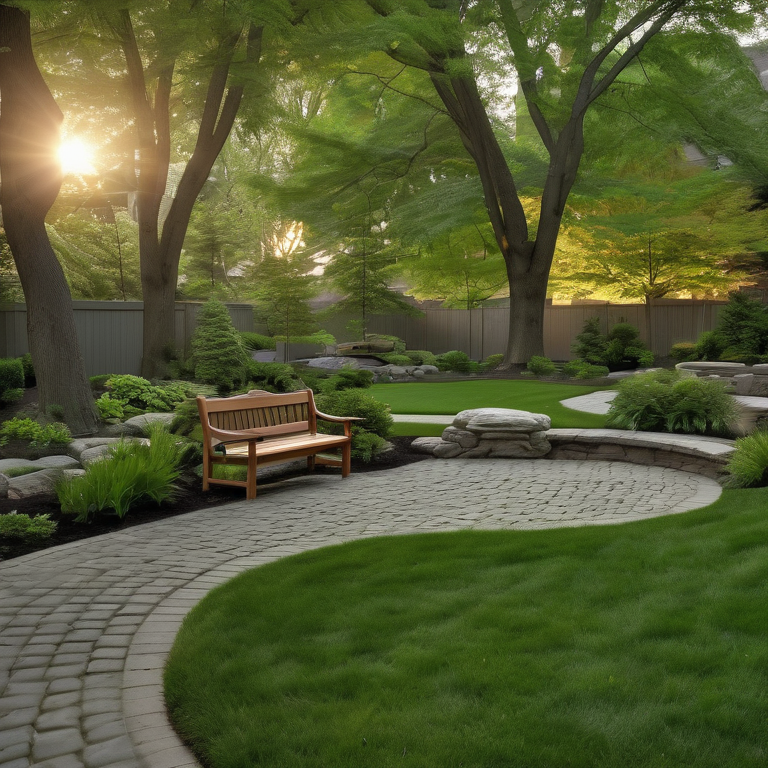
{"points": [[346, 459], [206, 470], [250, 480], [310, 463]]}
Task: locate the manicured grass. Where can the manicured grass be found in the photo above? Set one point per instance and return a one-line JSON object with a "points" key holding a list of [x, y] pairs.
{"points": [[414, 429], [450, 397], [642, 645]]}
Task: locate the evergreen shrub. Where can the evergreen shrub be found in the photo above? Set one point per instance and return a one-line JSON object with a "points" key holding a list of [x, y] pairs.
{"points": [[29, 370], [377, 421], [272, 377], [709, 346], [11, 379], [322, 338], [218, 352], [590, 343], [347, 378], [683, 351], [666, 401], [256, 341], [420, 357], [541, 366], [397, 359], [581, 369], [624, 348], [21, 526], [743, 325], [37, 434], [492, 362], [748, 465], [137, 395], [456, 361]]}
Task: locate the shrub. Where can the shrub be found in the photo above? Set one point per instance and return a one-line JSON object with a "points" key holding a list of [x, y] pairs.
{"points": [[454, 361], [590, 343], [35, 433], [581, 369], [348, 378], [743, 325], [665, 401], [131, 472], [623, 347], [394, 359], [541, 366], [29, 370], [218, 352], [683, 351], [11, 379], [100, 381], [355, 402], [377, 421], [20, 526], [709, 346], [322, 338], [110, 408], [740, 356], [137, 395], [399, 347], [420, 357], [748, 465], [272, 377], [257, 341], [492, 361]]}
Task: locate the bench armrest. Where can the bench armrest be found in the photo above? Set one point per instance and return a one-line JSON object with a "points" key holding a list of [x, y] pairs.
{"points": [[345, 420]]}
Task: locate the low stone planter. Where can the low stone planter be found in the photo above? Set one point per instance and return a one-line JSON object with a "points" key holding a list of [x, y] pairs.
{"points": [[481, 433]]}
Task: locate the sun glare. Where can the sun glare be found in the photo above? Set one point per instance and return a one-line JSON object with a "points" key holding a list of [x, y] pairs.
{"points": [[76, 158]]}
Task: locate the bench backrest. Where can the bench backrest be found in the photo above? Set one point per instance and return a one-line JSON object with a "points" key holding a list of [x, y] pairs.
{"points": [[257, 414]]}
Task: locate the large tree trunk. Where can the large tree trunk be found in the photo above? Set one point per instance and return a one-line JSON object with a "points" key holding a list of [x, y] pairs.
{"points": [[159, 254], [31, 178]]}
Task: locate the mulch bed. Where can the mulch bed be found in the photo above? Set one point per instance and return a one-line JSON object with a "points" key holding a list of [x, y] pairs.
{"points": [[188, 499]]}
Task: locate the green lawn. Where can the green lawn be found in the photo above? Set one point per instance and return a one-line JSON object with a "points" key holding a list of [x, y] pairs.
{"points": [[642, 645], [450, 397]]}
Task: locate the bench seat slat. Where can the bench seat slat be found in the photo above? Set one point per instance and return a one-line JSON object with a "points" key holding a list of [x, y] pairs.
{"points": [[290, 442]]}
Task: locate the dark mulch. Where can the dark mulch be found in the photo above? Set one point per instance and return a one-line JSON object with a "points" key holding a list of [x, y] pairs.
{"points": [[188, 499]]}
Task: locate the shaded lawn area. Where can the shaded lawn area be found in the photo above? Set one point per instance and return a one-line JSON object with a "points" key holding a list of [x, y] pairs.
{"points": [[450, 397], [643, 645]]}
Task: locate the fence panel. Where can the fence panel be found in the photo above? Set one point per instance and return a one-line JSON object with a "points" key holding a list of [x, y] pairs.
{"points": [[110, 332], [483, 332]]}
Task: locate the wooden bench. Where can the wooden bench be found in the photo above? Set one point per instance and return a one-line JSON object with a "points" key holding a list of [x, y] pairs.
{"points": [[261, 428]]}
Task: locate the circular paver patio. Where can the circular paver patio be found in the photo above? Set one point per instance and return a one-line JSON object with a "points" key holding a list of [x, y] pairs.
{"points": [[85, 628]]}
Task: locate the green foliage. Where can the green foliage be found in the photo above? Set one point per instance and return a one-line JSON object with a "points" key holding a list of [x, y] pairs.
{"points": [[11, 379], [748, 465], [683, 351], [322, 338], [624, 347], [110, 408], [129, 473], [272, 377], [257, 341], [20, 526], [137, 395], [541, 366], [743, 325], [354, 402], [368, 436], [455, 361], [580, 369], [590, 344], [37, 434], [348, 378], [393, 358], [493, 361], [29, 370], [421, 357], [187, 418], [217, 350], [399, 344], [666, 401], [709, 346], [100, 381]]}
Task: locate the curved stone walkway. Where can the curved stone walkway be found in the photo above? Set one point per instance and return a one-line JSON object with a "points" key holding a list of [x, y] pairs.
{"points": [[85, 628]]}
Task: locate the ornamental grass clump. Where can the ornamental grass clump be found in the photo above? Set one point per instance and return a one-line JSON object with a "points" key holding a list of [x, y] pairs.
{"points": [[668, 401], [748, 465], [130, 473]]}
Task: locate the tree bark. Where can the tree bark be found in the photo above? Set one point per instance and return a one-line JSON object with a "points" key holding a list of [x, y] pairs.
{"points": [[159, 253], [31, 179]]}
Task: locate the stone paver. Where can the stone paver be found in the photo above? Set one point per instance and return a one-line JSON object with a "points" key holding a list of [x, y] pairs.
{"points": [[86, 627]]}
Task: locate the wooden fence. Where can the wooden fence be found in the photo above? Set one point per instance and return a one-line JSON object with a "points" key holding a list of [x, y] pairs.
{"points": [[483, 332], [110, 332]]}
